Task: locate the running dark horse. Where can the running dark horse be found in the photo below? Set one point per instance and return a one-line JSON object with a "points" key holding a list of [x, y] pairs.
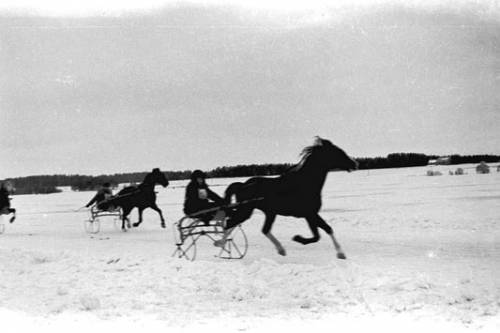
{"points": [[296, 193], [142, 196], [5, 203]]}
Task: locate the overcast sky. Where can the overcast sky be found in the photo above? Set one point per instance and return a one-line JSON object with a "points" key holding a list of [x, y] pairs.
{"points": [[133, 85]]}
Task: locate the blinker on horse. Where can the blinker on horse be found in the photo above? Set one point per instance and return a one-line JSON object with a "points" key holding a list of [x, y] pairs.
{"points": [[142, 196], [296, 193]]}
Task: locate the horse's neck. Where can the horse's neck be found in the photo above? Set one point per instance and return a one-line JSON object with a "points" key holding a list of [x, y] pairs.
{"points": [[310, 174], [147, 185], [317, 177]]}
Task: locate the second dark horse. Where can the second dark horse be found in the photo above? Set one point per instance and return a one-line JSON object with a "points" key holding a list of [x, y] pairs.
{"points": [[296, 193], [142, 196]]}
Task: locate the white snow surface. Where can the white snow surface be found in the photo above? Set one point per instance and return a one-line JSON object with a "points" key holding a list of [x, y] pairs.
{"points": [[423, 253]]}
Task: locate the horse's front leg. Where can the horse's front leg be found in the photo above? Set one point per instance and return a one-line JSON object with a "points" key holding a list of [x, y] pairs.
{"points": [[266, 230], [312, 222], [323, 225], [157, 209], [136, 224]]}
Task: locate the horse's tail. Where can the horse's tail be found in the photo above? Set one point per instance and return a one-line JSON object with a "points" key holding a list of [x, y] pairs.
{"points": [[231, 190]]}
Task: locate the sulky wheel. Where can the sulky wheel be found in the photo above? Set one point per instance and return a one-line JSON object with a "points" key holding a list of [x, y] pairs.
{"points": [[236, 245], [92, 226], [187, 249], [184, 240]]}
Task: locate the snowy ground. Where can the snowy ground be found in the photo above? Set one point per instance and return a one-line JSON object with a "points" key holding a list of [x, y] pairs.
{"points": [[422, 253]]}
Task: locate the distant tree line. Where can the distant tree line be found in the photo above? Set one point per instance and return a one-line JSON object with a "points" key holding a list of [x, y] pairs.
{"points": [[249, 170], [36, 184], [397, 160], [90, 183], [458, 159], [50, 183]]}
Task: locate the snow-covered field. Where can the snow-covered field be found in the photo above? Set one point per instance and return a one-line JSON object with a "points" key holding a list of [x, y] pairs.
{"points": [[422, 253]]}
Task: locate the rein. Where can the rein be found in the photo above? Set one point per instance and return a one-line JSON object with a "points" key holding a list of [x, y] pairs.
{"points": [[123, 195], [237, 204]]}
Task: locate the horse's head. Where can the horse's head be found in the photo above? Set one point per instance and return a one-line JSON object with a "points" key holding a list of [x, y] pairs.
{"points": [[326, 154], [158, 177]]}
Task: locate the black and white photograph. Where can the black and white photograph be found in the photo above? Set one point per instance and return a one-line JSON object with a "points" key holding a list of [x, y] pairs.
{"points": [[249, 166]]}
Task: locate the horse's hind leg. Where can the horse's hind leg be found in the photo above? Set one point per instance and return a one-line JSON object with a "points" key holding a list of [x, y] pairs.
{"points": [[266, 230], [13, 218], [323, 225], [237, 217], [311, 221], [126, 211]]}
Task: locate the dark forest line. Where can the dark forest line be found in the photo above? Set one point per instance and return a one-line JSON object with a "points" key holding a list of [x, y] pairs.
{"points": [[48, 183]]}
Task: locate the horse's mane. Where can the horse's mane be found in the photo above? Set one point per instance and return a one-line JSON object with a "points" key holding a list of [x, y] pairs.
{"points": [[307, 151], [304, 155], [147, 181]]}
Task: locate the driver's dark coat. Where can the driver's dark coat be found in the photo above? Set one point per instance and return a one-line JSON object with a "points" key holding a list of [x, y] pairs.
{"points": [[101, 195], [192, 201]]}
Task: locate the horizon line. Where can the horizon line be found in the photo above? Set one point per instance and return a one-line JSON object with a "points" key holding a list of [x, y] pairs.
{"points": [[236, 165]]}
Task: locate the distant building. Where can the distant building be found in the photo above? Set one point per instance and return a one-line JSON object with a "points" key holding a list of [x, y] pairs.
{"points": [[442, 160], [483, 168]]}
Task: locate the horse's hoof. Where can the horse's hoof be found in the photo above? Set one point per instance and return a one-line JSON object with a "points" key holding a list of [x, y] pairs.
{"points": [[282, 252], [163, 225], [341, 255], [124, 229], [299, 239], [219, 243], [12, 219], [135, 225]]}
